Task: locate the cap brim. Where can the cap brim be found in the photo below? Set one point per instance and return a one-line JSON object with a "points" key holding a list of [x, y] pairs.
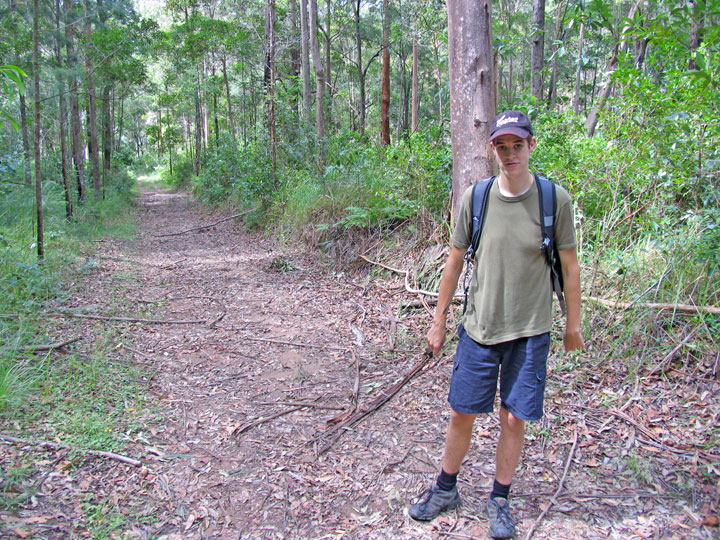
{"points": [[520, 132]]}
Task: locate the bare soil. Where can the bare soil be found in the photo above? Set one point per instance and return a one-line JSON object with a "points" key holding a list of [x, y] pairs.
{"points": [[239, 403]]}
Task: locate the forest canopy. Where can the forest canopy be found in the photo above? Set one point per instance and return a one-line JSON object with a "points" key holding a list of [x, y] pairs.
{"points": [[331, 116]]}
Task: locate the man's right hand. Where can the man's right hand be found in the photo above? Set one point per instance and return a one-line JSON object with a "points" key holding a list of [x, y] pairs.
{"points": [[436, 337]]}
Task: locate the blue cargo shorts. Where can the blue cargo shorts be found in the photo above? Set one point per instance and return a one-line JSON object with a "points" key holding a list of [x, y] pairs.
{"points": [[521, 364]]}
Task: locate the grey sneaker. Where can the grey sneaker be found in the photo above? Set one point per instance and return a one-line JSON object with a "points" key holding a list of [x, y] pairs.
{"points": [[436, 500], [502, 524]]}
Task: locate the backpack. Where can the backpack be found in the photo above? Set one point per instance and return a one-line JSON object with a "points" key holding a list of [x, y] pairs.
{"points": [[548, 206]]}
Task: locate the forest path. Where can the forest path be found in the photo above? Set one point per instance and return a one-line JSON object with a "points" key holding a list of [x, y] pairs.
{"points": [[291, 333], [239, 402]]}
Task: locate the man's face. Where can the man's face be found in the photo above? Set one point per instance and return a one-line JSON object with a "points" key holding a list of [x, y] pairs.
{"points": [[513, 154]]}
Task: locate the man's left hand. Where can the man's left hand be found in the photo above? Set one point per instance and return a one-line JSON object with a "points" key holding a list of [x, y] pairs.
{"points": [[573, 341]]}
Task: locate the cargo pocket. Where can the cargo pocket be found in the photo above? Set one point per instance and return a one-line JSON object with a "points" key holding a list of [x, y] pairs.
{"points": [[540, 377]]}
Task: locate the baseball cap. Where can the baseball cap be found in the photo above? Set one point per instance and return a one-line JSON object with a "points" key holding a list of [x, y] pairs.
{"points": [[511, 123]]}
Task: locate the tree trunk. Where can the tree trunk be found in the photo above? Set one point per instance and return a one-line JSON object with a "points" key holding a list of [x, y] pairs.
{"points": [[694, 33], [472, 99], [270, 82], [537, 51], [231, 118], [118, 139], [592, 119], [25, 138], [552, 91], [62, 119], [385, 109], [319, 83], [328, 69], [198, 126], [360, 70], [36, 129], [294, 57], [438, 79], [305, 58], [415, 97], [578, 72], [204, 106], [93, 146], [78, 150], [107, 134], [620, 44]]}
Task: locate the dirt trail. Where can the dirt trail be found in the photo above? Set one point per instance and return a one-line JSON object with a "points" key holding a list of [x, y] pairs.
{"points": [[280, 333]]}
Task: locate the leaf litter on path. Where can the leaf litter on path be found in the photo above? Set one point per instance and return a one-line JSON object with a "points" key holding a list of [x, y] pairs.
{"points": [[241, 407]]}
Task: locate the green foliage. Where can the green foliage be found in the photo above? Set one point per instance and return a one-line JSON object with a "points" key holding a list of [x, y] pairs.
{"points": [[237, 174], [10, 77], [30, 287]]}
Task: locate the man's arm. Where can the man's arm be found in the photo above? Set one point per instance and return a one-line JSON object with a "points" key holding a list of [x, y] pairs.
{"points": [[448, 284], [571, 277]]}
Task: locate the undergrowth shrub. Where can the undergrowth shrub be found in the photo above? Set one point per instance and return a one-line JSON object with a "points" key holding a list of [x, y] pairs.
{"points": [[239, 174], [30, 286]]}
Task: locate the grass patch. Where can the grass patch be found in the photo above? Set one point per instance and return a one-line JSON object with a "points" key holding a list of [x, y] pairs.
{"points": [[87, 396]]}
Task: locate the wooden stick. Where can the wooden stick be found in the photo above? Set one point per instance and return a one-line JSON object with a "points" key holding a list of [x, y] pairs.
{"points": [[553, 499], [48, 444], [50, 346], [125, 319], [205, 226], [386, 395], [301, 404], [408, 288], [245, 427], [685, 308], [294, 343], [668, 357]]}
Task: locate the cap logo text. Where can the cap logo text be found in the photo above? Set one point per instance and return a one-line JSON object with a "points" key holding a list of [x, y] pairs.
{"points": [[508, 120]]}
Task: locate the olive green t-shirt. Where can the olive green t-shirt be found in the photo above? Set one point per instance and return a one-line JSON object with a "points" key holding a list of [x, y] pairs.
{"points": [[510, 296]]}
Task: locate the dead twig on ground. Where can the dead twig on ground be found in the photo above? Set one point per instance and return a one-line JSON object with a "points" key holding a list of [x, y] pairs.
{"points": [[553, 499], [294, 343], [301, 404], [206, 226], [49, 346], [668, 358], [385, 395], [684, 308], [58, 446], [406, 273], [130, 319], [245, 427]]}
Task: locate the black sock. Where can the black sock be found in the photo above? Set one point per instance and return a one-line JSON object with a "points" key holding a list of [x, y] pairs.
{"points": [[446, 481], [500, 490]]}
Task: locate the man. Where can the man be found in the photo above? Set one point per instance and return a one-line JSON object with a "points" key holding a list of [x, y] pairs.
{"points": [[505, 328]]}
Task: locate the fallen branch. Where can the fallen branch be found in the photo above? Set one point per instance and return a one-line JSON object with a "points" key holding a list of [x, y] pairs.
{"points": [[654, 441], [125, 319], [684, 308], [58, 446], [294, 343], [49, 346], [245, 427], [206, 226], [408, 288], [668, 358], [553, 499], [386, 395], [300, 404]]}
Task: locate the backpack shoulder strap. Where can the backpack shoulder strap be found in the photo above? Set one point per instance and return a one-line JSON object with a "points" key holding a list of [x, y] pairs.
{"points": [[548, 205], [478, 206]]}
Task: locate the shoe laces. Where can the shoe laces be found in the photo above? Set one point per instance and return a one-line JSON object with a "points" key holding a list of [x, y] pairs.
{"points": [[428, 493], [503, 513]]}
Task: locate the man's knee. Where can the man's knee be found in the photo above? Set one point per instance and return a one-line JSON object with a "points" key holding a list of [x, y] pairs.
{"points": [[511, 422], [462, 420]]}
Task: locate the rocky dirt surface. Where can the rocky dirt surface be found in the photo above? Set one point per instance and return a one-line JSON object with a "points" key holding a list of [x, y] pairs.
{"points": [[252, 382]]}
